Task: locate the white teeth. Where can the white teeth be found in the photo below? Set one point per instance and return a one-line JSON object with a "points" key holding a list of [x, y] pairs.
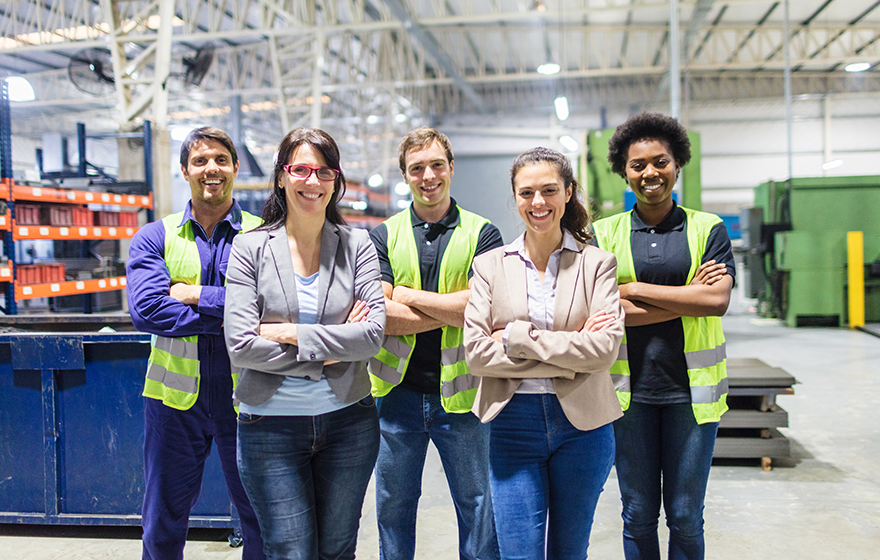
{"points": [[541, 214], [312, 196], [428, 189], [213, 182]]}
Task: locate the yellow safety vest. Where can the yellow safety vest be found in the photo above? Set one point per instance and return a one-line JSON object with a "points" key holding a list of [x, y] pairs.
{"points": [[458, 388], [704, 348], [173, 367]]}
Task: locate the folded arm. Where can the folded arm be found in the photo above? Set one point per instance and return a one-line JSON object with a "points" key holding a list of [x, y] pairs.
{"points": [[155, 305], [586, 349], [486, 357]]}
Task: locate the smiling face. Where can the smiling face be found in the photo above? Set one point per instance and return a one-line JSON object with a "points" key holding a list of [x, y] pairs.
{"points": [[541, 196], [306, 197], [210, 172], [429, 174], [651, 172]]}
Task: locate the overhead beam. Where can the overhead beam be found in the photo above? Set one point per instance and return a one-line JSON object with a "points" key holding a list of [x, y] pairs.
{"points": [[433, 48]]}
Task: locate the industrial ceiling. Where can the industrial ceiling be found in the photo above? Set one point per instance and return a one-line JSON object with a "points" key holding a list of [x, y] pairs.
{"points": [[368, 70]]}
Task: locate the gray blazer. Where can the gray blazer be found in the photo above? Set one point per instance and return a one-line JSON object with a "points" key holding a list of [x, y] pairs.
{"points": [[260, 288], [577, 362]]}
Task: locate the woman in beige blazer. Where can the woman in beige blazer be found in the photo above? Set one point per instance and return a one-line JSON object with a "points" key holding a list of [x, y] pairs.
{"points": [[542, 328]]}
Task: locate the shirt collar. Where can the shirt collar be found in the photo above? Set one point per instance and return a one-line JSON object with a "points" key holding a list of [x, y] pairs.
{"points": [[518, 245], [673, 222], [449, 221], [233, 216]]}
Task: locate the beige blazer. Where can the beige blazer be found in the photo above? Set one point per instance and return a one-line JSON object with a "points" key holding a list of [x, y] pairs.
{"points": [[577, 362]]}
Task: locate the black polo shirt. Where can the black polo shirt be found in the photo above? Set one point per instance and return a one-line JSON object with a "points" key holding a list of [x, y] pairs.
{"points": [[423, 373], [656, 352]]}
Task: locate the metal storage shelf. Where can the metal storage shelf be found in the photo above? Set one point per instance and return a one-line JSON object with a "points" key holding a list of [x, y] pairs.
{"points": [[70, 288], [71, 232], [66, 196]]}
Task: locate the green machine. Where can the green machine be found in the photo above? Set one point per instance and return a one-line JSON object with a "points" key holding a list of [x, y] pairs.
{"points": [[795, 238], [606, 189]]}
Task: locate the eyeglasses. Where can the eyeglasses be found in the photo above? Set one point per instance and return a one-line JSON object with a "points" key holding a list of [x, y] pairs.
{"points": [[305, 171]]}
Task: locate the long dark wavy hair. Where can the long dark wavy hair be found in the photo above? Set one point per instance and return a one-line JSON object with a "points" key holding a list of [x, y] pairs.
{"points": [[275, 210], [576, 219]]}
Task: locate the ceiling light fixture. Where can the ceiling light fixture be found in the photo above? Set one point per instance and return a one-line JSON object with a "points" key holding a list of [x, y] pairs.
{"points": [[561, 104], [569, 143], [375, 180], [20, 89], [832, 164], [549, 68], [857, 66]]}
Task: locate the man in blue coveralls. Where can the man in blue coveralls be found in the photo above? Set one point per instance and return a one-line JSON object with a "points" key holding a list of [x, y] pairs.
{"points": [[176, 292]]}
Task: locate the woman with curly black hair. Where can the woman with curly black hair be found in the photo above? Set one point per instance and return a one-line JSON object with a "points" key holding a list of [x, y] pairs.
{"points": [[675, 273]]}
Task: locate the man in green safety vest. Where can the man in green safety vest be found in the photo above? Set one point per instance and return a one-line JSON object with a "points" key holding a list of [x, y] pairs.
{"points": [[176, 292], [420, 379]]}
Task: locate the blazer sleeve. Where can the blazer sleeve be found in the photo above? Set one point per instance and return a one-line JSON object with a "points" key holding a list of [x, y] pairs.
{"points": [[351, 342], [486, 357], [579, 350], [247, 349]]}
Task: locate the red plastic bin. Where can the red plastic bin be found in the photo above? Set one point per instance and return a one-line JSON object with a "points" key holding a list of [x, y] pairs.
{"points": [[27, 215], [128, 219], [106, 219], [82, 216]]}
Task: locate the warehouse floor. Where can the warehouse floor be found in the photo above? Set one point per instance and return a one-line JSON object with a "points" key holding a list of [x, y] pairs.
{"points": [[822, 503]]}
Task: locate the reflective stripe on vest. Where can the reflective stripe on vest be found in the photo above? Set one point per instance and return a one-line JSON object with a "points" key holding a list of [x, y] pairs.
{"points": [[457, 387], [173, 367], [705, 351]]}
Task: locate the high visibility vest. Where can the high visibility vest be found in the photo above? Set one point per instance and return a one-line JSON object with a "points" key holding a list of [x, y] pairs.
{"points": [[458, 387], [173, 366], [704, 348]]}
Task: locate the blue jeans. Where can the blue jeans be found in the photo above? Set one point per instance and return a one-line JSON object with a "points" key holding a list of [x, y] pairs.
{"points": [[662, 451], [306, 477], [408, 421], [546, 479]]}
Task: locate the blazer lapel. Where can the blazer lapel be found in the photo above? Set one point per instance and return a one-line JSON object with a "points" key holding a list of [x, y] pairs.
{"points": [[515, 274], [566, 287], [329, 244], [280, 253]]}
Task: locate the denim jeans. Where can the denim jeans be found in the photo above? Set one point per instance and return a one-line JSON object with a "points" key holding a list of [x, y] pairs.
{"points": [[546, 478], [306, 477], [663, 452], [408, 420]]}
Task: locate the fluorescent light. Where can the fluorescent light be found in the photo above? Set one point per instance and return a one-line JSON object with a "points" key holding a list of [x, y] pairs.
{"points": [[401, 188], [857, 66], [568, 143], [372, 119], [561, 104], [20, 89], [548, 68], [832, 164], [403, 204], [359, 205], [375, 180], [400, 117]]}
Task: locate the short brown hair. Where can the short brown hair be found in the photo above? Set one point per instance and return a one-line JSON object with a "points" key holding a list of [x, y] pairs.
{"points": [[206, 133], [419, 139]]}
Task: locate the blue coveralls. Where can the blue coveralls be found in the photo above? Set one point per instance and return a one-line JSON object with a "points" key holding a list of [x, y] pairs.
{"points": [[177, 442]]}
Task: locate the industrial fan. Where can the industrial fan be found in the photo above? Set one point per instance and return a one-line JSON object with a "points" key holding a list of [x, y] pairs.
{"points": [[198, 65], [91, 71]]}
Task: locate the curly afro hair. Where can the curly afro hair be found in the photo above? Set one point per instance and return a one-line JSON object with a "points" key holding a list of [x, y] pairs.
{"points": [[645, 126]]}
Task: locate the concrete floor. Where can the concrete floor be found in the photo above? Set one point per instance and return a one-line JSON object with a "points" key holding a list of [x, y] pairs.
{"points": [[822, 503]]}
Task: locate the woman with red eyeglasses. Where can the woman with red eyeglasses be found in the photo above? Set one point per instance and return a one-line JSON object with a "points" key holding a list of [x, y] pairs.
{"points": [[304, 311]]}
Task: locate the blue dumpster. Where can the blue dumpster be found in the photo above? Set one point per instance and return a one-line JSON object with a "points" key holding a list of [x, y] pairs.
{"points": [[71, 432]]}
